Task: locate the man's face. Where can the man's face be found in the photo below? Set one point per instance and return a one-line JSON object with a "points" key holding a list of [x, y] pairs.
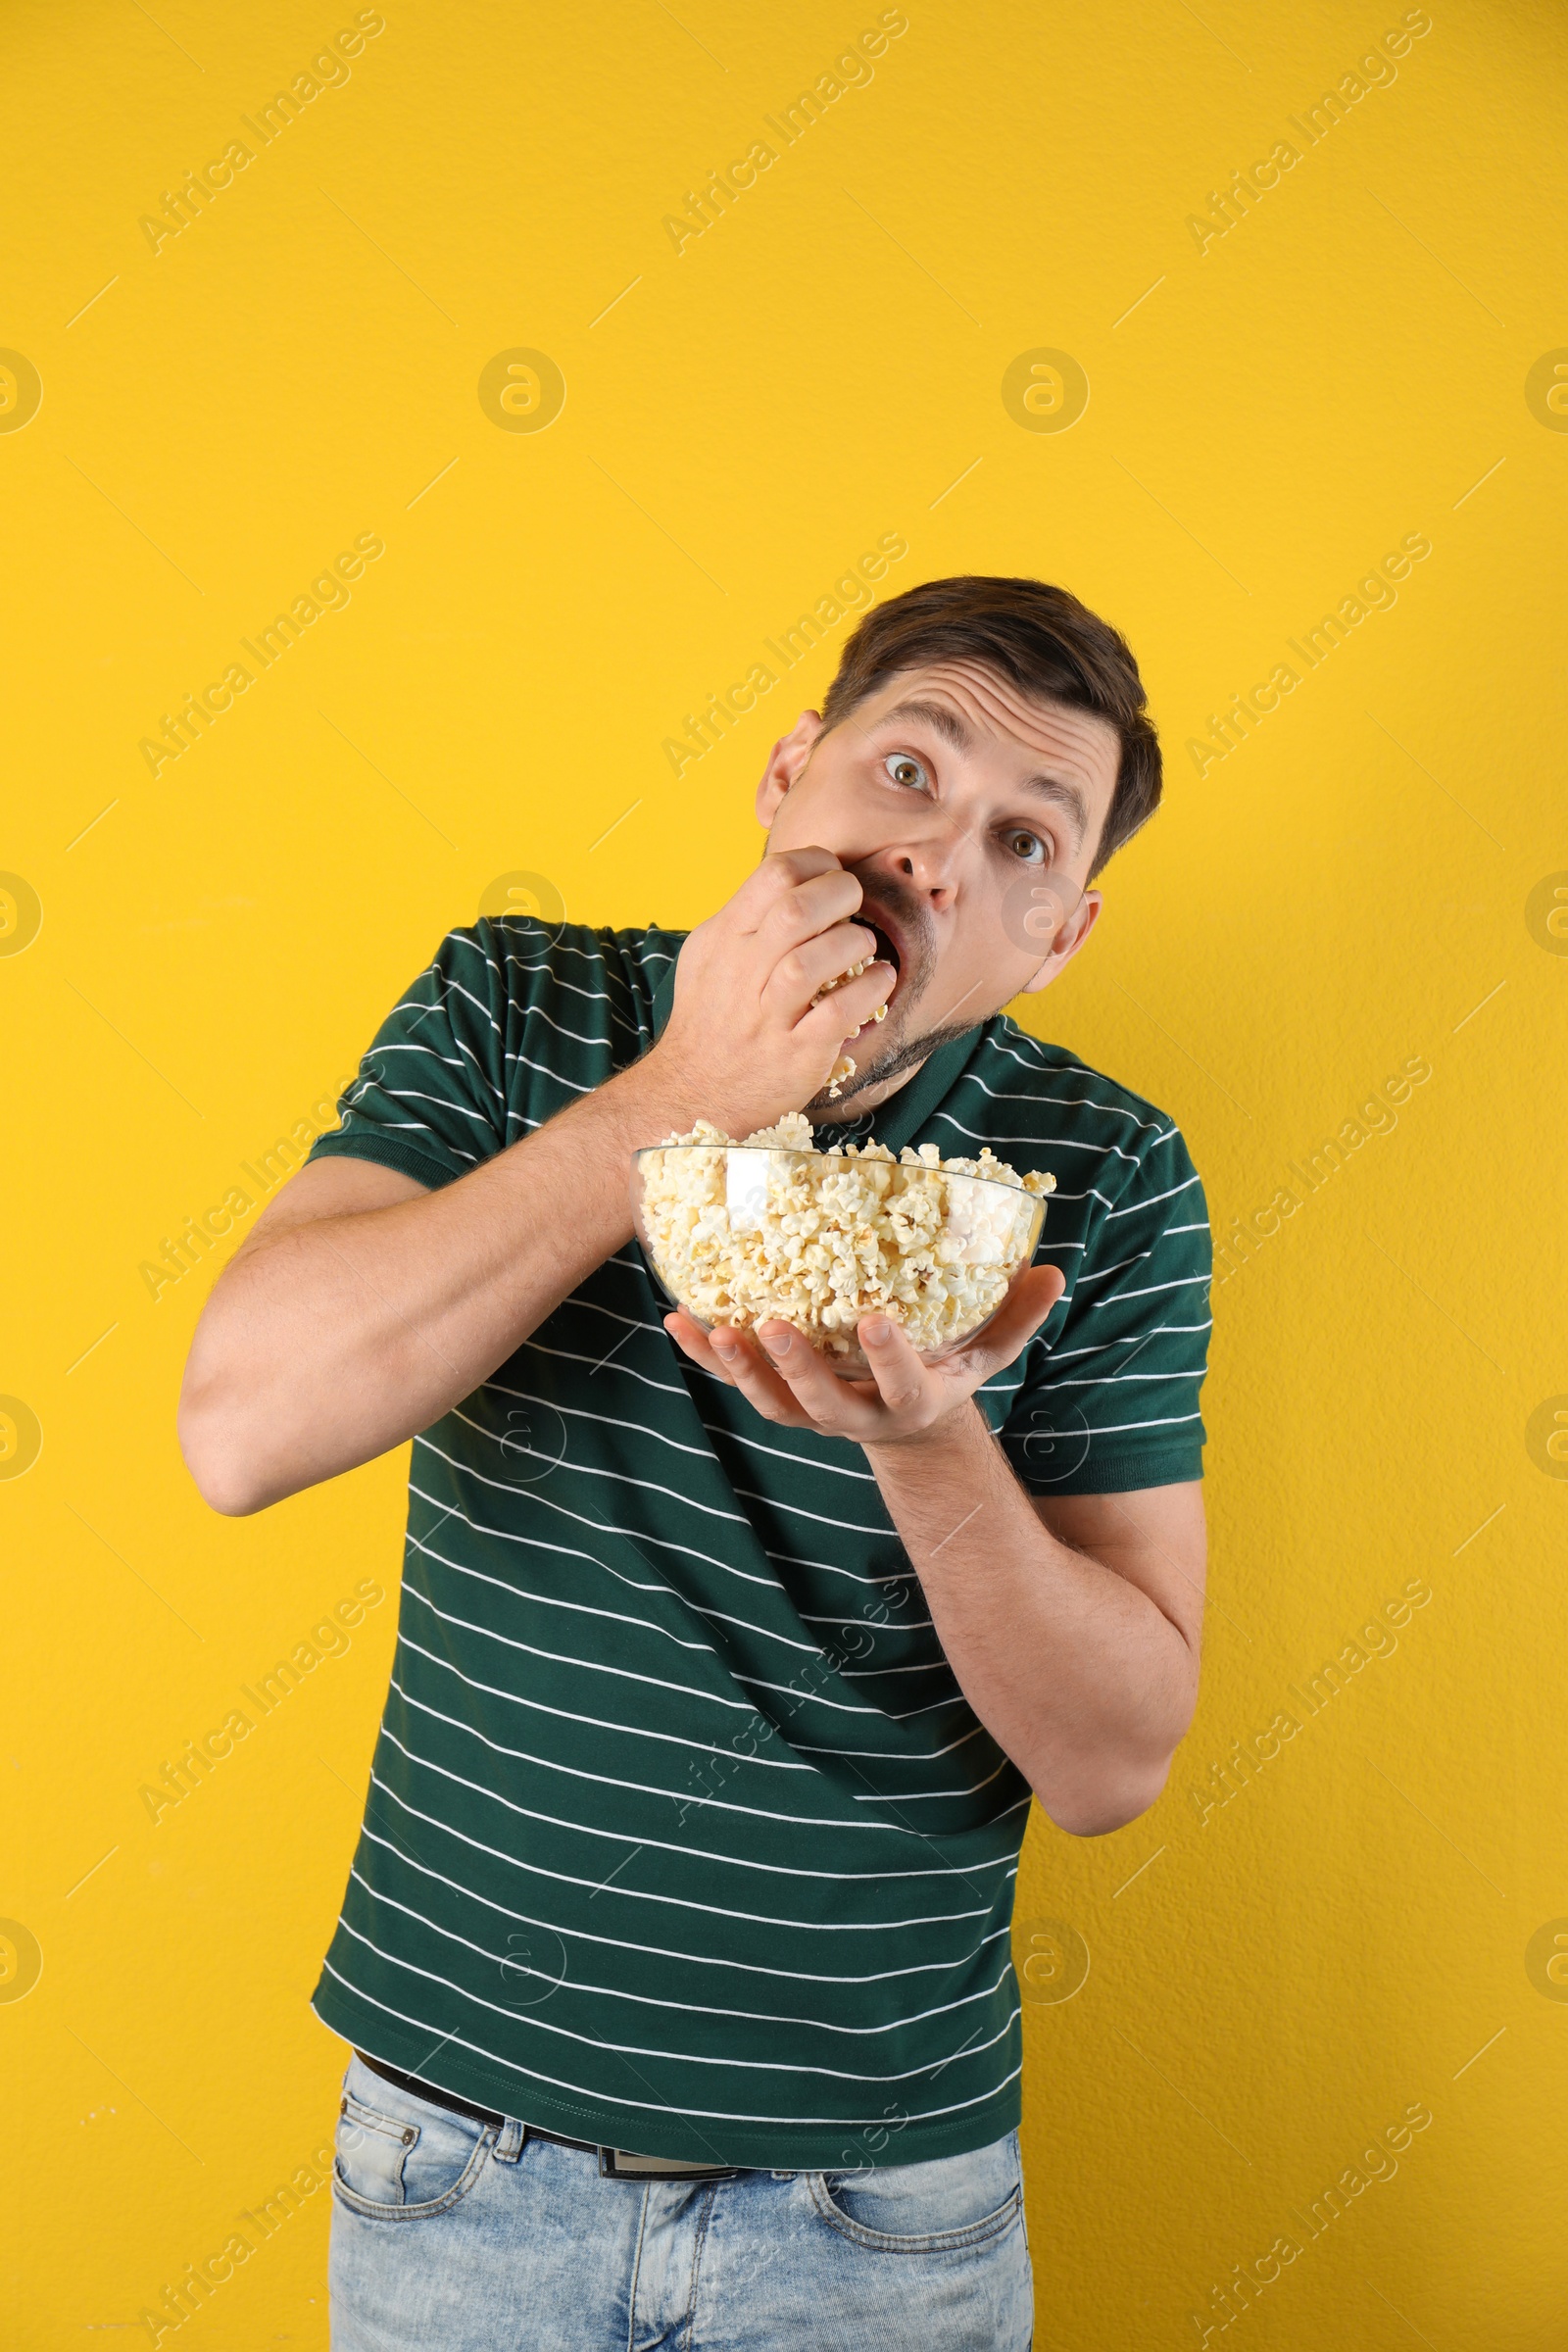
{"points": [[969, 813]]}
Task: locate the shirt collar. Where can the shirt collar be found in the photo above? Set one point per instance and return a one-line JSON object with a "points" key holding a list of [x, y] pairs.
{"points": [[902, 1115]]}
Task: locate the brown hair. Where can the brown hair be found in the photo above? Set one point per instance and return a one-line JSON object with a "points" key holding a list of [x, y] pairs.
{"points": [[1042, 639]]}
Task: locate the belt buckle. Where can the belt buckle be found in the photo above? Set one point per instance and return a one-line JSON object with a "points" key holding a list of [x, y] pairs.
{"points": [[623, 2164]]}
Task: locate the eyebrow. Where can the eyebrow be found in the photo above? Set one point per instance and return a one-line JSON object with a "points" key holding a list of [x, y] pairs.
{"points": [[1067, 798], [938, 716], [952, 728]]}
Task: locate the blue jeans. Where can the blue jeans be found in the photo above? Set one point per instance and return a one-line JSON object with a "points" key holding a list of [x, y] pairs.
{"points": [[470, 2237]]}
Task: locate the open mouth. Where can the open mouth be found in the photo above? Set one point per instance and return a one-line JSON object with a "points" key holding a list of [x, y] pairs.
{"points": [[887, 947]]}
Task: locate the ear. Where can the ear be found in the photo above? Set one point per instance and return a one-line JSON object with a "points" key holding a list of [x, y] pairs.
{"points": [[1067, 942], [784, 765]]}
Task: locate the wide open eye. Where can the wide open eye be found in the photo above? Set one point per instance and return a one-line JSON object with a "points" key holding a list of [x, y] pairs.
{"points": [[1023, 845], [903, 767]]}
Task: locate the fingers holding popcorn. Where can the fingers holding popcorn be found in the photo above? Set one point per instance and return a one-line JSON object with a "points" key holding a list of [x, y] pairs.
{"points": [[813, 966], [766, 994]]}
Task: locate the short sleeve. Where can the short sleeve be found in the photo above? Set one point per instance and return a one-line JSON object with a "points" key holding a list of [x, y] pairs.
{"points": [[430, 1097], [1109, 1400]]}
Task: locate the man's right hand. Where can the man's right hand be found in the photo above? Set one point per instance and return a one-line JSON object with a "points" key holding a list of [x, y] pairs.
{"points": [[743, 1036]]}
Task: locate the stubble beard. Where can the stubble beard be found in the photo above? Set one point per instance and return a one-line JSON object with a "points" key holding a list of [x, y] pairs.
{"points": [[826, 1112], [897, 1053]]}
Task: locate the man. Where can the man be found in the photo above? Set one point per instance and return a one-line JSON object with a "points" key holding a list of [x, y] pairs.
{"points": [[675, 1950]]}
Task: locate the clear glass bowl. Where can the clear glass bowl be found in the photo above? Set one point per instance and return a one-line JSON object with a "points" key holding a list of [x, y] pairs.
{"points": [[715, 1222]]}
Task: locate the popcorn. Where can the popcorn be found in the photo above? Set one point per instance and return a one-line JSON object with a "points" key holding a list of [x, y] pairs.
{"points": [[774, 1227], [828, 986], [845, 1065], [854, 974], [844, 1068]]}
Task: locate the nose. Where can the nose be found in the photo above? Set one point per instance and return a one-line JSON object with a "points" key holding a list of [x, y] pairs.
{"points": [[929, 864]]}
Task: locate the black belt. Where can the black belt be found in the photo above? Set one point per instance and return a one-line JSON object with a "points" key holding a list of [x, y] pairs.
{"points": [[614, 2164]]}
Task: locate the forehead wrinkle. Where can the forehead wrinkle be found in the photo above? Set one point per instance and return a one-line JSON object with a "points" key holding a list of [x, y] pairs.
{"points": [[1042, 724], [1001, 702]]}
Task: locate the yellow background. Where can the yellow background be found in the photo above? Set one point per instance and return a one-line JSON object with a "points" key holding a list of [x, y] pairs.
{"points": [[1337, 894]]}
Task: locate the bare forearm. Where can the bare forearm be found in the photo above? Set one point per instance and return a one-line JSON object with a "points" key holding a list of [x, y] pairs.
{"points": [[330, 1341], [1077, 1674]]}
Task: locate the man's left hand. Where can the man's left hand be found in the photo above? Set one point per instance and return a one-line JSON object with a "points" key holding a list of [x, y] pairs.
{"points": [[790, 1383]]}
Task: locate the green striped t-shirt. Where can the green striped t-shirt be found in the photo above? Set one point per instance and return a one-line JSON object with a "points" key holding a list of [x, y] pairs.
{"points": [[681, 1835]]}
